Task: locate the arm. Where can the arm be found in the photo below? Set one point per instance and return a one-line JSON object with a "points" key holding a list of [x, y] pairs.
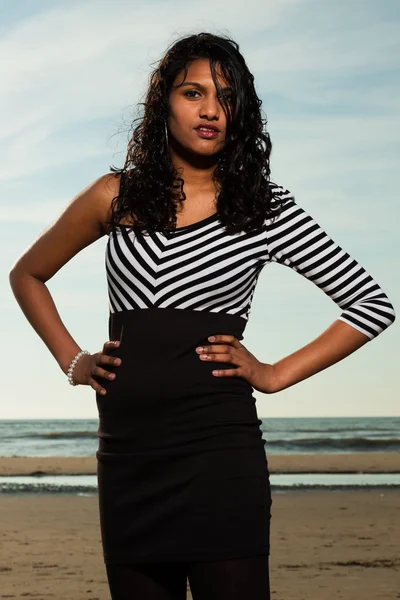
{"points": [[80, 224], [296, 240]]}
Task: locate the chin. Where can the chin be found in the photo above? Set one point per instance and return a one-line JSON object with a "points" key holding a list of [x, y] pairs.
{"points": [[207, 149], [205, 152]]}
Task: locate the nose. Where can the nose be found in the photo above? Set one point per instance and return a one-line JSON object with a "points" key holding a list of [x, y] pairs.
{"points": [[210, 107]]}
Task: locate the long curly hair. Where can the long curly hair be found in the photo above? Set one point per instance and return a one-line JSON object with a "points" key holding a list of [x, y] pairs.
{"points": [[150, 186]]}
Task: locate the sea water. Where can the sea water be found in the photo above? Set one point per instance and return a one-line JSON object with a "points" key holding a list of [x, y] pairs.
{"points": [[77, 437]]}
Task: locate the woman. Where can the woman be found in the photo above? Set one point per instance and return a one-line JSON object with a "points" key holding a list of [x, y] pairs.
{"points": [[182, 475]]}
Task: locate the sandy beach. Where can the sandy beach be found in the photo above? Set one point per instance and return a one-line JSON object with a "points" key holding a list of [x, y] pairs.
{"points": [[363, 462], [324, 544]]}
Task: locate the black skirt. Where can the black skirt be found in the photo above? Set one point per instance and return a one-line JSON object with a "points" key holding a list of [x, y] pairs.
{"points": [[181, 466]]}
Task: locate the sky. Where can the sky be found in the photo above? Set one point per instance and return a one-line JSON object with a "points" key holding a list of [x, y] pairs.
{"points": [[328, 75]]}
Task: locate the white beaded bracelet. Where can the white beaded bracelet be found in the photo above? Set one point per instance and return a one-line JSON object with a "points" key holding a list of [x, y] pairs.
{"points": [[72, 365]]}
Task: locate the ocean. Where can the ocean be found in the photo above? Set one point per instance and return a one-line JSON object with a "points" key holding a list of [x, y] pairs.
{"points": [[77, 437]]}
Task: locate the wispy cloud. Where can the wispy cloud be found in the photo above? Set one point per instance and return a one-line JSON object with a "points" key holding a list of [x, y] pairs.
{"points": [[327, 72]]}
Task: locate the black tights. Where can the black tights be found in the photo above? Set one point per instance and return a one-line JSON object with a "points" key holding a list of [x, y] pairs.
{"points": [[235, 579]]}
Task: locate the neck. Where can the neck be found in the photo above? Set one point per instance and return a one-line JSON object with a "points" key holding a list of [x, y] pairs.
{"points": [[196, 170]]}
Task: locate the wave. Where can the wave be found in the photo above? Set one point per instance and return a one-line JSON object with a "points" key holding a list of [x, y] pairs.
{"points": [[58, 435], [288, 440], [348, 429], [18, 488], [358, 444]]}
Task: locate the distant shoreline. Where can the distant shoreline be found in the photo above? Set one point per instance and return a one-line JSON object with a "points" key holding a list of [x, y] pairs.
{"points": [[362, 462]]}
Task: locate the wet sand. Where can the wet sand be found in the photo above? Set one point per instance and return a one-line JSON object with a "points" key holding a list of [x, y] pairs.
{"points": [[366, 462], [324, 544]]}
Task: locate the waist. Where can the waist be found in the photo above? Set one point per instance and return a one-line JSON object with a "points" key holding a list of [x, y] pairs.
{"points": [[158, 353], [163, 392]]}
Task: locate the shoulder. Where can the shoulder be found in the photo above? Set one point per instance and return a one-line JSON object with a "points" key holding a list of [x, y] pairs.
{"points": [[94, 200], [283, 204], [279, 191], [107, 188], [102, 190]]}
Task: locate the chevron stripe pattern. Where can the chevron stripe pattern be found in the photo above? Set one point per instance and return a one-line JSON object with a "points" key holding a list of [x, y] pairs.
{"points": [[201, 267]]}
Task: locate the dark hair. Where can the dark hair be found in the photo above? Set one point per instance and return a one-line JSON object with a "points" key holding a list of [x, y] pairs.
{"points": [[149, 184]]}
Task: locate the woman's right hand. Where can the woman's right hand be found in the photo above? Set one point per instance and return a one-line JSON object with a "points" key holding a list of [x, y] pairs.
{"points": [[90, 366]]}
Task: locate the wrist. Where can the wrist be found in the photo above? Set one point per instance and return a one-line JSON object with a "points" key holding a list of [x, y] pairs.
{"points": [[275, 383], [66, 360], [71, 368]]}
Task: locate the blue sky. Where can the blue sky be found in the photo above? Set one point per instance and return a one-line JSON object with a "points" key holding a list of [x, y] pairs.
{"points": [[328, 75]]}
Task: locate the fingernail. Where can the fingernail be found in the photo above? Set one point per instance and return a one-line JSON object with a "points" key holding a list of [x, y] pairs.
{"points": [[211, 338]]}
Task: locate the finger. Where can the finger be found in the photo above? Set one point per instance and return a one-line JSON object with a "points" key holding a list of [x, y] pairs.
{"points": [[106, 359], [99, 372], [226, 373], [228, 339], [230, 357], [110, 345], [97, 387], [217, 349]]}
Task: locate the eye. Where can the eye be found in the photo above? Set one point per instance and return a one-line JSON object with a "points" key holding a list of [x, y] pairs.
{"points": [[228, 95], [190, 92]]}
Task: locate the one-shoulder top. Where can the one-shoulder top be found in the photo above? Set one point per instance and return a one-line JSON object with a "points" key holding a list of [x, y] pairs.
{"points": [[200, 267]]}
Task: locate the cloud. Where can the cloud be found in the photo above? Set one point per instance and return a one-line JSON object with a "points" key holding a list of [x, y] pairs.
{"points": [[72, 73], [31, 212], [371, 47], [90, 64]]}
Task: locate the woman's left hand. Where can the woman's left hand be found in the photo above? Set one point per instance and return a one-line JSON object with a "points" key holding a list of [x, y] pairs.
{"points": [[230, 350]]}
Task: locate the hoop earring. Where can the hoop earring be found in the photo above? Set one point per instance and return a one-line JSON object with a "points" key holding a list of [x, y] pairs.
{"points": [[166, 132]]}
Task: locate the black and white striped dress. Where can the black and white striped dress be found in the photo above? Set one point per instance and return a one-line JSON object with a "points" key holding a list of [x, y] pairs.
{"points": [[182, 471]]}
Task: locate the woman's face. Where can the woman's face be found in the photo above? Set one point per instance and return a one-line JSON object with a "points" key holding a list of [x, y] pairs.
{"points": [[194, 103]]}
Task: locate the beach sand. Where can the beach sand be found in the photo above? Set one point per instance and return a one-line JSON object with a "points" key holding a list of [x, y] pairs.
{"points": [[324, 544], [363, 462]]}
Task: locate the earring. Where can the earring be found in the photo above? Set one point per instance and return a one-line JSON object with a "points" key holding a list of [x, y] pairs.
{"points": [[166, 131]]}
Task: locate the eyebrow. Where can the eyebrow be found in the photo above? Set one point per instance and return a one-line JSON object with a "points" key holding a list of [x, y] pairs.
{"points": [[202, 87]]}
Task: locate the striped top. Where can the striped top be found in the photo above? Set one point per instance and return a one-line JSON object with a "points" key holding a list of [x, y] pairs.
{"points": [[201, 267]]}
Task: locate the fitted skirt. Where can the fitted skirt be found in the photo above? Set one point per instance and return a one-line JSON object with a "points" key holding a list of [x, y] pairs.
{"points": [[181, 467]]}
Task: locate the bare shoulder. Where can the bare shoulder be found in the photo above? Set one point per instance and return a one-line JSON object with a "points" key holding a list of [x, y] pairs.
{"points": [[81, 223], [97, 197], [106, 189]]}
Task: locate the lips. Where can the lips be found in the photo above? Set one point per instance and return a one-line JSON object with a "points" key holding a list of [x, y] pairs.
{"points": [[207, 128]]}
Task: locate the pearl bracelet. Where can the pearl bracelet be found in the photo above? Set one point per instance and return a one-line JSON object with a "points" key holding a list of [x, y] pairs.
{"points": [[72, 365]]}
